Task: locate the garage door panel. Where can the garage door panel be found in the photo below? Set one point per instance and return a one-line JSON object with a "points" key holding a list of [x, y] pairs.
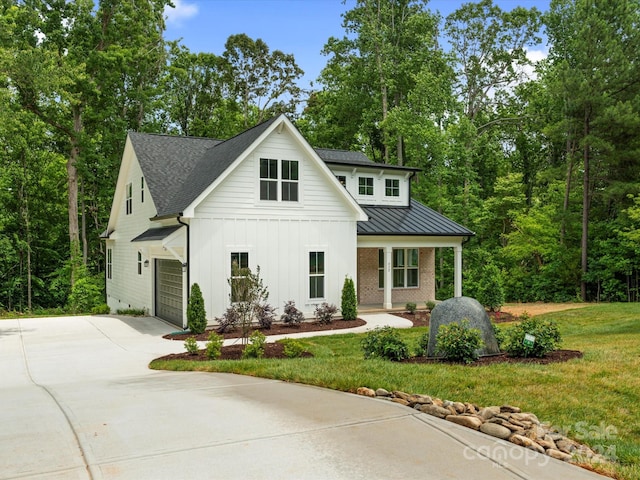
{"points": [[169, 291]]}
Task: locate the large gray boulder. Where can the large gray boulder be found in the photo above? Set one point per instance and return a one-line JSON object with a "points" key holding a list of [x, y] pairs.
{"points": [[455, 310]]}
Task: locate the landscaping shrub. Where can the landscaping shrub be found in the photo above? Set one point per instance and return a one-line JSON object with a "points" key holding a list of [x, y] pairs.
{"points": [[490, 290], [214, 345], [102, 309], [136, 312], [411, 307], [87, 293], [265, 313], [349, 305], [423, 345], [546, 338], [191, 345], [430, 305], [291, 313], [196, 315], [500, 334], [325, 312], [229, 320], [458, 342], [384, 342], [255, 349], [292, 348]]}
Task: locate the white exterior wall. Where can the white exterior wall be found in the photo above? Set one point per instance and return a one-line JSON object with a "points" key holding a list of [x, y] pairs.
{"points": [[126, 289], [277, 235], [352, 176]]}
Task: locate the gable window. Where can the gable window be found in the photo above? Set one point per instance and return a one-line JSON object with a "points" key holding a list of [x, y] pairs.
{"points": [[392, 187], [239, 271], [316, 274], [139, 263], [268, 179], [129, 198], [109, 263], [141, 189], [289, 181], [342, 179], [365, 186], [405, 268]]}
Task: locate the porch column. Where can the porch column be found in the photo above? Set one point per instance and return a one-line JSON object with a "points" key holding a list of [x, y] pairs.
{"points": [[457, 271], [388, 279]]}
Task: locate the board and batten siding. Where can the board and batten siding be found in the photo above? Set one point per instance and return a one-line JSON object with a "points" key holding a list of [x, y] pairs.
{"points": [[277, 235], [126, 288]]}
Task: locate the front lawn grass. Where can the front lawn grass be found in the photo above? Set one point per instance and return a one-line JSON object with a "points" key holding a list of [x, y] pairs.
{"points": [[595, 399]]}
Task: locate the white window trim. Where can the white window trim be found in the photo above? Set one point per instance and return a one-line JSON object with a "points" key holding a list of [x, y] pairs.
{"points": [[279, 183], [128, 198], [324, 250]]}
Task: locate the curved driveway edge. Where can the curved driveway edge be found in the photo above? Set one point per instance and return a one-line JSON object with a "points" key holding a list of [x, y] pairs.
{"points": [[78, 401]]}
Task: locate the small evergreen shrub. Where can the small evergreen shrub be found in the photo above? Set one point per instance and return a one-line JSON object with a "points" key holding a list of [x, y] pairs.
{"points": [[385, 343], [490, 290], [196, 315], [458, 342], [135, 312], [255, 349], [229, 320], [102, 309], [292, 348], [423, 345], [214, 345], [411, 307], [430, 304], [291, 314], [265, 314], [349, 305], [325, 312], [546, 336], [191, 345]]}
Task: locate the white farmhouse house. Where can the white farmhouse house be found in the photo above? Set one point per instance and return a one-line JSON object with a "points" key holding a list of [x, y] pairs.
{"points": [[185, 208]]}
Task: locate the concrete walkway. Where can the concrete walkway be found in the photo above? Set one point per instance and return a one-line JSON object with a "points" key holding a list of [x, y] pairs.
{"points": [[78, 402]]}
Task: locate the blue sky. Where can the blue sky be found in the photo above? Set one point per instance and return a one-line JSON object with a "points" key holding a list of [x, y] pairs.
{"points": [[300, 27]]}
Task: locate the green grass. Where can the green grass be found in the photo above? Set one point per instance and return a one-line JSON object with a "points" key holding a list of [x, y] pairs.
{"points": [[595, 399]]}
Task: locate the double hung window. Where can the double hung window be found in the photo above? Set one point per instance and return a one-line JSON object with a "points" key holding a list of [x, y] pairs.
{"points": [[279, 180], [405, 268], [239, 271], [365, 186], [316, 274], [392, 187]]}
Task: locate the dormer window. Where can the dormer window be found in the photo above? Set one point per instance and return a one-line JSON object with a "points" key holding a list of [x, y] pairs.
{"points": [[129, 199], [392, 187], [365, 186]]}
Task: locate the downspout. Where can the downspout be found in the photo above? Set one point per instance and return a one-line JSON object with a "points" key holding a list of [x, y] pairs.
{"points": [[188, 256]]}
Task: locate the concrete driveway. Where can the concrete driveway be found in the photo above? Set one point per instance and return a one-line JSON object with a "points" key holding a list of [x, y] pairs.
{"points": [[78, 401]]}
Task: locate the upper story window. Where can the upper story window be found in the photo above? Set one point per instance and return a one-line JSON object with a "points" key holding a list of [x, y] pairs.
{"points": [[365, 185], [141, 189], [392, 187], [342, 179], [287, 179], [129, 198]]}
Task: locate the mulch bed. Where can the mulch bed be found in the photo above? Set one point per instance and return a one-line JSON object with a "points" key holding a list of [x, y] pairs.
{"points": [[419, 318]]}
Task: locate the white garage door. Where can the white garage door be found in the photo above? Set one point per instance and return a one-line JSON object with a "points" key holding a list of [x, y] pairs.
{"points": [[169, 291]]}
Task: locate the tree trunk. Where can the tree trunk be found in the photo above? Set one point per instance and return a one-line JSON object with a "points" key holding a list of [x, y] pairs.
{"points": [[72, 188], [585, 208], [567, 190]]}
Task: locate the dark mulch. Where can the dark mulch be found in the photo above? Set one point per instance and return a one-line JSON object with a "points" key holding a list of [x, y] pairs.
{"points": [[421, 317], [276, 329], [553, 357]]}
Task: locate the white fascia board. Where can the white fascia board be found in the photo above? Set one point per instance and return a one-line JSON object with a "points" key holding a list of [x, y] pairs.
{"points": [[278, 126], [409, 241], [128, 156]]}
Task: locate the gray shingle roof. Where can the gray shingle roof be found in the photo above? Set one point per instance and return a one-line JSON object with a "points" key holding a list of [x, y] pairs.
{"points": [[354, 159], [178, 169], [416, 219], [156, 233]]}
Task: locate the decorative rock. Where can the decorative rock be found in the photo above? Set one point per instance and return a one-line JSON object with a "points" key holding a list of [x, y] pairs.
{"points": [[401, 401], [459, 407], [469, 421], [367, 392], [526, 417], [402, 395], [525, 442], [488, 412], [565, 445], [509, 409], [546, 444], [435, 410], [423, 399], [381, 392], [558, 455], [471, 408], [454, 310], [495, 430]]}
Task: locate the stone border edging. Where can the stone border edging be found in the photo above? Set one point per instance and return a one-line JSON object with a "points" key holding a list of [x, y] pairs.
{"points": [[505, 422]]}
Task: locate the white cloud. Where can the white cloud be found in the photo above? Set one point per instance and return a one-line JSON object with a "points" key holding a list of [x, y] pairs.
{"points": [[180, 12], [534, 57]]}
